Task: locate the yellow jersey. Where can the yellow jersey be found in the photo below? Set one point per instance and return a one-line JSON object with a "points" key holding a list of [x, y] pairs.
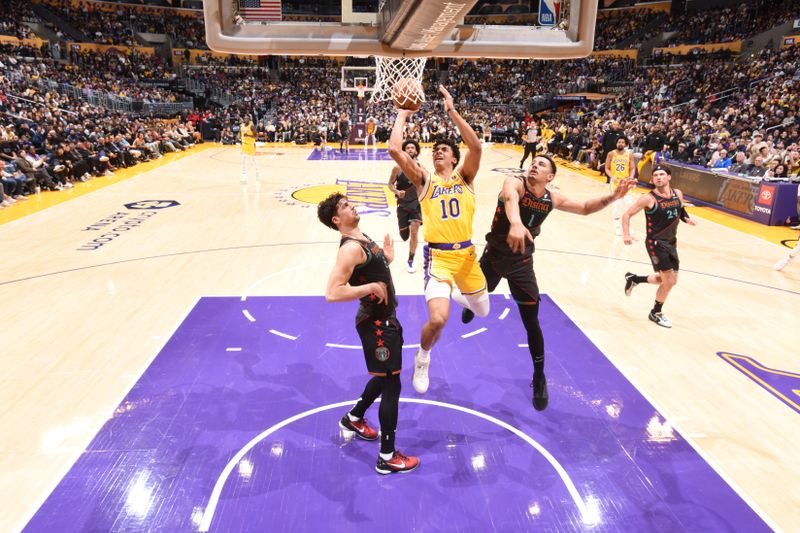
{"points": [[447, 209], [620, 164], [248, 140]]}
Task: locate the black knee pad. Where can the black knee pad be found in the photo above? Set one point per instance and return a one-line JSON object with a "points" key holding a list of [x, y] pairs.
{"points": [[404, 233]]}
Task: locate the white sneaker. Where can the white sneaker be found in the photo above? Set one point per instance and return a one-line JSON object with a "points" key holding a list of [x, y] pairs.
{"points": [[420, 379], [780, 265], [410, 267], [660, 319]]}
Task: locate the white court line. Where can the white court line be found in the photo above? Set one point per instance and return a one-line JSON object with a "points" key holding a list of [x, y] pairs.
{"points": [[249, 289], [90, 435], [233, 349], [473, 333], [673, 421], [588, 513], [507, 296], [410, 346], [522, 345], [345, 346], [504, 314], [247, 315], [284, 335]]}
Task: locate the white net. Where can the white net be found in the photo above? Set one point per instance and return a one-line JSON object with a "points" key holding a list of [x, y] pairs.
{"points": [[399, 79]]}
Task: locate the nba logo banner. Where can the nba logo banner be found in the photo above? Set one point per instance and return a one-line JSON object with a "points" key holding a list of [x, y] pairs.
{"points": [[548, 12]]}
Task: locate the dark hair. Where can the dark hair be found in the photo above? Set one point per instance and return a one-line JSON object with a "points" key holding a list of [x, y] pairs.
{"points": [[411, 141], [662, 167], [326, 209], [553, 166], [453, 146]]}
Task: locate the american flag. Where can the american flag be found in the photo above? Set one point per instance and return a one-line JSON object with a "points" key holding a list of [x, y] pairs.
{"points": [[260, 9]]}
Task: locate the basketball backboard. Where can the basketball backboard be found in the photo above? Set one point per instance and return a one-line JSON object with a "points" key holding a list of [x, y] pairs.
{"points": [[237, 26]]}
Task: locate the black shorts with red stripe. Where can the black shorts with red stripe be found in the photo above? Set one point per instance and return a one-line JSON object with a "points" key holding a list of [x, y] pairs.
{"points": [[383, 345], [663, 254]]}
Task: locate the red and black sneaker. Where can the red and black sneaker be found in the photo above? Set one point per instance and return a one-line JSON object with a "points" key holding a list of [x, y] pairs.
{"points": [[360, 427], [399, 463]]}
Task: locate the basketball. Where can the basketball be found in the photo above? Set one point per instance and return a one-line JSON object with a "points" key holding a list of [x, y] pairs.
{"points": [[407, 93]]}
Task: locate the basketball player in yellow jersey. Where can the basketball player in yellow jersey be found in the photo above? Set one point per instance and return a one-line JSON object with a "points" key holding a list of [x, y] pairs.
{"points": [[248, 132], [619, 167], [547, 134], [372, 126], [448, 204]]}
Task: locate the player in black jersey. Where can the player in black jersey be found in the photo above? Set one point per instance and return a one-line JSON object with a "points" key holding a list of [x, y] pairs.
{"points": [[409, 213], [664, 210], [522, 207], [362, 272]]}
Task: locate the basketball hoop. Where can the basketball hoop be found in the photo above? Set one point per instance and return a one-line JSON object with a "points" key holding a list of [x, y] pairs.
{"points": [[391, 70]]}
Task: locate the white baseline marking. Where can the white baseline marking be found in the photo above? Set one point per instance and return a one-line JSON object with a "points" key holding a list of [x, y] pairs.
{"points": [[410, 346], [247, 315], [504, 314], [284, 335], [233, 349], [625, 371], [345, 346], [473, 333], [90, 434], [522, 345], [586, 511]]}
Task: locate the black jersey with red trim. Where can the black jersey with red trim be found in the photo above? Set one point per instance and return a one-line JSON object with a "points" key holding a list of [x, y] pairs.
{"points": [[533, 211], [663, 217], [374, 269], [410, 200]]}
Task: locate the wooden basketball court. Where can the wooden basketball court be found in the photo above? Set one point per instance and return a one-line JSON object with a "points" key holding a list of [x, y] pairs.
{"points": [[93, 288]]}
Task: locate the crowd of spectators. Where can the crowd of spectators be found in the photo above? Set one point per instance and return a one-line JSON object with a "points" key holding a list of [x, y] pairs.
{"points": [[616, 26], [708, 111], [119, 26], [49, 140], [725, 24], [13, 17], [751, 129]]}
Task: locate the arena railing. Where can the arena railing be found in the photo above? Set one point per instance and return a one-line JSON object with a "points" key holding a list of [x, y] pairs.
{"points": [[112, 101]]}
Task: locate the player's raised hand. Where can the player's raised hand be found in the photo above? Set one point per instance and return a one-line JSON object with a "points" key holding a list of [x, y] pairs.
{"points": [[517, 235], [378, 292], [624, 187], [388, 248], [447, 99], [404, 113]]}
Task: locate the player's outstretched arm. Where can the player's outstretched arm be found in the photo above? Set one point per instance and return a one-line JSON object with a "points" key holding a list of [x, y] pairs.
{"points": [[472, 161], [517, 233], [592, 205], [409, 167], [338, 289], [644, 201]]}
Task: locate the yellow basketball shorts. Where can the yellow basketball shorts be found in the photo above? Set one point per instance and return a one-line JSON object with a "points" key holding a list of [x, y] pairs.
{"points": [[458, 267], [249, 148]]}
